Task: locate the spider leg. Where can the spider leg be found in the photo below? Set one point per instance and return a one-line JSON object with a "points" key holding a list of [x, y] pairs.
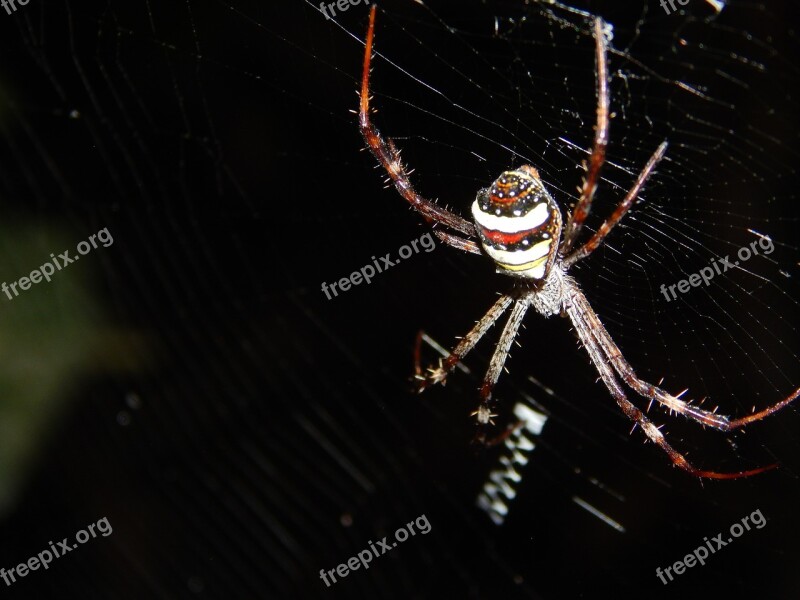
{"points": [[598, 358], [457, 242], [742, 421], [652, 392], [484, 413], [622, 208], [389, 157], [510, 430], [467, 343], [598, 156]]}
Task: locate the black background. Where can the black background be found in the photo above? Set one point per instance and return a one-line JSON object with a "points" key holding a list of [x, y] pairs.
{"points": [[239, 430]]}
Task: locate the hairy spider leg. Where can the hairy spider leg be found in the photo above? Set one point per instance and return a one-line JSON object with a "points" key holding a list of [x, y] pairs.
{"points": [[467, 343], [622, 208], [652, 392], [457, 242], [598, 155], [586, 333], [484, 412], [389, 157]]}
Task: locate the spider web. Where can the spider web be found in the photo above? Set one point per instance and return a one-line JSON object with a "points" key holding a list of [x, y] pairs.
{"points": [[251, 432]]}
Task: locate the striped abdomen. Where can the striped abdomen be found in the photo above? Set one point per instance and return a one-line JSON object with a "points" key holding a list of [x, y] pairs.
{"points": [[519, 224]]}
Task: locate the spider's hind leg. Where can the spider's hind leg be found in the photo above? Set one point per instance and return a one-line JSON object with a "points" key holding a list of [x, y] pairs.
{"points": [[588, 336], [484, 412], [653, 392], [433, 375]]}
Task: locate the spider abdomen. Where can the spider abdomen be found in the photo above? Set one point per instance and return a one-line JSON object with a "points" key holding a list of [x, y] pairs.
{"points": [[518, 223]]}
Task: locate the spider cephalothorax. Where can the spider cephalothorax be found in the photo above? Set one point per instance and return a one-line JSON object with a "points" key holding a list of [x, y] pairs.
{"points": [[518, 223]]}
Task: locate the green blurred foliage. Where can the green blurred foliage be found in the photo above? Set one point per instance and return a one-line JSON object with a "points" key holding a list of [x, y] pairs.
{"points": [[48, 337]]}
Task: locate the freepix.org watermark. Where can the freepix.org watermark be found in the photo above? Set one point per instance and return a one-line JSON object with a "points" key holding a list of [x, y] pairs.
{"points": [[367, 272], [46, 556], [342, 5], [48, 269], [365, 556], [717, 5], [701, 553], [718, 267], [11, 5]]}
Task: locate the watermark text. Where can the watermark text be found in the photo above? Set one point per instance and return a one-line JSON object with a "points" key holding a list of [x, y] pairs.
{"points": [[365, 556], [48, 269], [46, 556], [701, 553], [342, 5], [718, 267], [367, 272]]}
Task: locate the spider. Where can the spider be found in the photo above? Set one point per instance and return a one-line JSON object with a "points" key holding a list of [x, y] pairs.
{"points": [[518, 225]]}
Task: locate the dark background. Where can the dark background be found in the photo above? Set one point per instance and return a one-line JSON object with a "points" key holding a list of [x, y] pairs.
{"points": [[241, 432]]}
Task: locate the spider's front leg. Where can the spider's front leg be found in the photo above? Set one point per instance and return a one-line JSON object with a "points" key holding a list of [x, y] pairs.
{"points": [[622, 209], [598, 155], [434, 375], [389, 156]]}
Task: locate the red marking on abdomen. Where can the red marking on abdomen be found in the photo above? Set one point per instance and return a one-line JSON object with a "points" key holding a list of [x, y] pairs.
{"points": [[506, 239], [494, 199], [507, 197]]}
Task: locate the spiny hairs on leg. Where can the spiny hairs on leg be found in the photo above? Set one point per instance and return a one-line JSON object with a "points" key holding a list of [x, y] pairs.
{"points": [[589, 338], [467, 343], [388, 155]]}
